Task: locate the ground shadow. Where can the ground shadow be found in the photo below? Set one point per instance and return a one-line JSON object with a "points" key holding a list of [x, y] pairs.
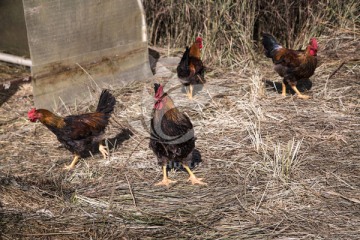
{"points": [[153, 59], [302, 86], [119, 139], [5, 94], [197, 88], [196, 159], [112, 143]]}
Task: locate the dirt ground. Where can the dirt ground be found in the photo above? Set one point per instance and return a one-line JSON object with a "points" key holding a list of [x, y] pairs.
{"points": [[276, 168]]}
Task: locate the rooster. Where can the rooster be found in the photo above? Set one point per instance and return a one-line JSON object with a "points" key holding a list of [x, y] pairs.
{"points": [[294, 66], [191, 70], [172, 136], [80, 134]]}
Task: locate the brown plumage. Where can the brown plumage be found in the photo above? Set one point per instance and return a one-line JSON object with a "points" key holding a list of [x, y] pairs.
{"points": [[80, 134], [191, 70], [172, 135], [292, 65]]}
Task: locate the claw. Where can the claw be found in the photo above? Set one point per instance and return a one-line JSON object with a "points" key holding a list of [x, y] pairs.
{"points": [[68, 167], [303, 96], [103, 151], [195, 180], [72, 164], [299, 95], [192, 177], [165, 182]]}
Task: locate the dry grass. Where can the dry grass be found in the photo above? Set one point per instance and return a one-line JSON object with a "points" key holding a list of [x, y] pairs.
{"points": [[232, 29], [276, 168]]}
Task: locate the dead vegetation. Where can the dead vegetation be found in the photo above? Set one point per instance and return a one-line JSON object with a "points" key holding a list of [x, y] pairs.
{"points": [[232, 30], [276, 168]]}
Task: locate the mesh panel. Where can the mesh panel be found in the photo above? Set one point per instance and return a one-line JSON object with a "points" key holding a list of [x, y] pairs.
{"points": [[70, 40]]}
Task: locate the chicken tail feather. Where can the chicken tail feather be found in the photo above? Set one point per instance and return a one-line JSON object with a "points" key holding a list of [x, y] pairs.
{"points": [[270, 45], [183, 69], [106, 102]]}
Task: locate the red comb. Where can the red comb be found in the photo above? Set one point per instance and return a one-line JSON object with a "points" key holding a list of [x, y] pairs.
{"points": [[314, 43], [31, 111], [159, 92], [199, 41]]}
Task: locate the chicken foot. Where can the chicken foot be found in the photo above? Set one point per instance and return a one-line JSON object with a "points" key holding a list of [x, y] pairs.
{"points": [[103, 150], [299, 93], [73, 163], [166, 181], [192, 177]]}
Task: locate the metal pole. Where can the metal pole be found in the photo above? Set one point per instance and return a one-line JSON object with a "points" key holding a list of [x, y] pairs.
{"points": [[15, 59]]}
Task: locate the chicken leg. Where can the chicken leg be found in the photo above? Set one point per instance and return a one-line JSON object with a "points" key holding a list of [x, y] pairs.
{"points": [[103, 151], [191, 87], [166, 181], [283, 89], [298, 92], [188, 90], [192, 177], [73, 163]]}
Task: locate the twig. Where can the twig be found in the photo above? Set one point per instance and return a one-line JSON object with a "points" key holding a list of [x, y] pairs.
{"points": [[114, 120], [91, 78], [262, 197], [139, 142], [354, 200], [111, 200], [336, 70], [251, 214], [332, 74], [131, 192], [8, 121], [66, 108], [49, 234], [216, 105]]}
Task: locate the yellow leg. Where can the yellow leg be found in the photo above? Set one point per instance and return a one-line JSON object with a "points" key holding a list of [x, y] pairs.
{"points": [[166, 181], [73, 163], [299, 93], [187, 91], [191, 87], [284, 89], [103, 151], [192, 177]]}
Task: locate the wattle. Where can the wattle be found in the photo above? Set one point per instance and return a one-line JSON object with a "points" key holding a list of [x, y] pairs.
{"points": [[159, 105]]}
